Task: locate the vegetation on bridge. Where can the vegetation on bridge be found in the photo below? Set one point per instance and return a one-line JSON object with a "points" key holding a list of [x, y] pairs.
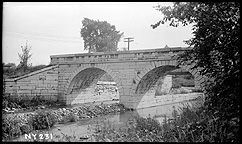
{"points": [[10, 70]]}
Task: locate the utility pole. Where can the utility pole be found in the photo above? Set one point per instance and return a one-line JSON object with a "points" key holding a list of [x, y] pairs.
{"points": [[129, 39]]}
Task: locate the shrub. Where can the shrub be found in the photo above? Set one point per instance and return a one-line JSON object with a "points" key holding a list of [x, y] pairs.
{"points": [[137, 129], [147, 124], [191, 125], [43, 120], [147, 129], [73, 117], [10, 126], [70, 117], [26, 128]]}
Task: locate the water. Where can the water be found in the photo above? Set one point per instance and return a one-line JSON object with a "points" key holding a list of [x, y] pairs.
{"points": [[85, 128]]}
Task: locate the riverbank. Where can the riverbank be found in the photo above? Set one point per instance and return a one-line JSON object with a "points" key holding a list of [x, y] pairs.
{"points": [[44, 118], [89, 130], [17, 124]]}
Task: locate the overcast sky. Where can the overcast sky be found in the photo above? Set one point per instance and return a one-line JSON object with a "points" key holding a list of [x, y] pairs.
{"points": [[54, 28]]}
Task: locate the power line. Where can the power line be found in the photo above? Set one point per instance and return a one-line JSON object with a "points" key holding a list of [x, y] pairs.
{"points": [[42, 37], [129, 39], [39, 34]]}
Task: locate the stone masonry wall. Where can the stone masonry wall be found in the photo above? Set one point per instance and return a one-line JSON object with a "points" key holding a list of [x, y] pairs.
{"points": [[42, 83], [65, 72], [165, 84], [149, 101]]}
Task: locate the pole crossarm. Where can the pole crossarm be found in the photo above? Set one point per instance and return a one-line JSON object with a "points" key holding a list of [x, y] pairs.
{"points": [[129, 39]]}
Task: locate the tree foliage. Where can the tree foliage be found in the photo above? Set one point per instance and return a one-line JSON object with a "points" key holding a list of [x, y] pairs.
{"points": [[24, 58], [214, 49], [99, 36]]}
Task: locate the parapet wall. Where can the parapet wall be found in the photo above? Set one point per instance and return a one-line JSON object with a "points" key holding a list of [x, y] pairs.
{"points": [[118, 56], [42, 83]]}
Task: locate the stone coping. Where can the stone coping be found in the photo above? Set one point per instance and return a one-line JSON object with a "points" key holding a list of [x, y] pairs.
{"points": [[112, 61], [124, 52], [30, 74]]}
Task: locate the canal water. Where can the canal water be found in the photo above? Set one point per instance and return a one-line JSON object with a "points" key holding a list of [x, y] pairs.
{"points": [[85, 128]]}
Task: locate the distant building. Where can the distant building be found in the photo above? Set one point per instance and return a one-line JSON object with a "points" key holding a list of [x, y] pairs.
{"points": [[6, 67], [9, 65]]}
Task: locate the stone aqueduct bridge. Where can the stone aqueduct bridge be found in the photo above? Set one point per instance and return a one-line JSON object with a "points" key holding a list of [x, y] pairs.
{"points": [[135, 72]]}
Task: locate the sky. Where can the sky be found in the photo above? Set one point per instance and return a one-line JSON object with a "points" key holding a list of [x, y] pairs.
{"points": [[53, 28]]}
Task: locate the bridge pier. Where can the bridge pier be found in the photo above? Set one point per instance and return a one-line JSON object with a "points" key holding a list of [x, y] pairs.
{"points": [[127, 101]]}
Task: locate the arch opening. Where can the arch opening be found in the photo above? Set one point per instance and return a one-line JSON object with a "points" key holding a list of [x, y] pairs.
{"points": [[91, 85], [161, 85], [149, 80], [174, 82]]}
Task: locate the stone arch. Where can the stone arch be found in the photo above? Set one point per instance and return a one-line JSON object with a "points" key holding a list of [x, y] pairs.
{"points": [[162, 67], [101, 68]]}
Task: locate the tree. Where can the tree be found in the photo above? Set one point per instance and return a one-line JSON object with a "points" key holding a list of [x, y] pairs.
{"points": [[214, 49], [99, 36], [24, 58]]}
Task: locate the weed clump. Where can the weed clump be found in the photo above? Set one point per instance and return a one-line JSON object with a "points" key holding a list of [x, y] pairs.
{"points": [[43, 120], [10, 126]]}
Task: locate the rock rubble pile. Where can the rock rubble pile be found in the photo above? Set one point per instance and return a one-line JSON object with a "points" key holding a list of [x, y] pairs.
{"points": [[63, 115]]}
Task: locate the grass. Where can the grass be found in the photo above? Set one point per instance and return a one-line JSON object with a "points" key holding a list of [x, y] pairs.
{"points": [[26, 104], [191, 125]]}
